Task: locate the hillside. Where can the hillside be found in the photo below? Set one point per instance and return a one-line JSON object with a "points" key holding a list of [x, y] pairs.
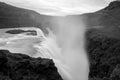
{"points": [[16, 66], [11, 17], [103, 42], [102, 37], [107, 20]]}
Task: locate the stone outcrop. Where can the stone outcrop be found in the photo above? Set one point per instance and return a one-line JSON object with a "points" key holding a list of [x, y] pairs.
{"points": [[16, 66]]}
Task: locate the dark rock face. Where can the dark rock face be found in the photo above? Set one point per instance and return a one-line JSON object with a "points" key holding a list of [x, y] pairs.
{"points": [[19, 31], [103, 42], [103, 39], [116, 73], [22, 67], [104, 54], [113, 5]]}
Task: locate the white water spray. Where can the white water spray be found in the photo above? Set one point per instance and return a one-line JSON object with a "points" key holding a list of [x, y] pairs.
{"points": [[72, 40], [66, 47], [70, 58]]}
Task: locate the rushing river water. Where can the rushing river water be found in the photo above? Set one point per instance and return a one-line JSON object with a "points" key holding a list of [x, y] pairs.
{"points": [[64, 43], [70, 58]]}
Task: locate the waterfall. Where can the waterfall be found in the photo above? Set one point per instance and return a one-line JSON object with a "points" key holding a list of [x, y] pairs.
{"points": [[66, 47], [70, 59]]}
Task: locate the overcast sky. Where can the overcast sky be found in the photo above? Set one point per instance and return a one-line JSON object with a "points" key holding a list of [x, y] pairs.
{"points": [[60, 6]]}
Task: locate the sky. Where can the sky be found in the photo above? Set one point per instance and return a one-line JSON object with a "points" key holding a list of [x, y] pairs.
{"points": [[60, 6]]}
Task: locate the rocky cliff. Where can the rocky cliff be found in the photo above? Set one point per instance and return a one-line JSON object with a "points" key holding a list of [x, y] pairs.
{"points": [[16, 66], [103, 42], [102, 37]]}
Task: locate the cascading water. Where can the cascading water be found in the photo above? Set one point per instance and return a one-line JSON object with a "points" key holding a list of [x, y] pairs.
{"points": [[66, 47], [71, 37], [70, 58]]}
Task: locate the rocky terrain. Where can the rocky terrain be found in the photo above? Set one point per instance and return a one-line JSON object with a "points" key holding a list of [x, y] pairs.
{"points": [[104, 54], [102, 37], [19, 31], [16, 66], [103, 42]]}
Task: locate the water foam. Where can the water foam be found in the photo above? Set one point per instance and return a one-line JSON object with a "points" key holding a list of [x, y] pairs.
{"points": [[71, 62]]}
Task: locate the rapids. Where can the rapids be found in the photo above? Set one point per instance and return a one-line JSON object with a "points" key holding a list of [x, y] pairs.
{"points": [[71, 62], [65, 43]]}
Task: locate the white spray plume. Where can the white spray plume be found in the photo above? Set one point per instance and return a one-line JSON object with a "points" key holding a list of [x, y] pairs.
{"points": [[70, 59], [66, 48], [71, 37]]}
